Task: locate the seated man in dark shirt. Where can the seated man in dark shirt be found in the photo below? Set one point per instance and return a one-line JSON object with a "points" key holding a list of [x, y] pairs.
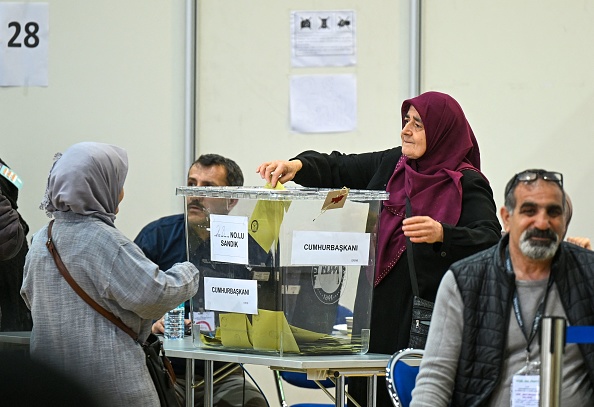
{"points": [[164, 242]]}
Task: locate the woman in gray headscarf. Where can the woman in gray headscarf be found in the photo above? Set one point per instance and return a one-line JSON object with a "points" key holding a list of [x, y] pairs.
{"points": [[85, 187]]}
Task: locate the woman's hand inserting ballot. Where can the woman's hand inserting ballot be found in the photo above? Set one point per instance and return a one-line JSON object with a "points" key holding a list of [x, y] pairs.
{"points": [[279, 171]]}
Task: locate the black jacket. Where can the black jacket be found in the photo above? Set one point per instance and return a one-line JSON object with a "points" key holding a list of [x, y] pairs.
{"points": [[478, 227], [13, 248], [13, 228]]}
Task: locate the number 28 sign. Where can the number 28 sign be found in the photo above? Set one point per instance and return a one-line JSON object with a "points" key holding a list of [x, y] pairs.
{"points": [[24, 29]]}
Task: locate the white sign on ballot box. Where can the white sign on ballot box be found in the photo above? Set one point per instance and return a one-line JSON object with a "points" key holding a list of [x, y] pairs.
{"points": [[330, 248], [229, 239], [231, 295], [24, 29]]}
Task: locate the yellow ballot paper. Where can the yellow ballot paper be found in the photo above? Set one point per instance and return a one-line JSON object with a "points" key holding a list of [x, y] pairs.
{"points": [[211, 340], [268, 329], [235, 330], [303, 335], [265, 222]]}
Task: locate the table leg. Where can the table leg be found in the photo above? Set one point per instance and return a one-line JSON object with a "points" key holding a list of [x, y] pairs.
{"points": [[189, 382], [371, 390], [208, 381], [339, 396]]}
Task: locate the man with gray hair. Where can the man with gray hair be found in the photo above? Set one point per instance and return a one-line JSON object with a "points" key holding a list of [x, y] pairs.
{"points": [[484, 335]]}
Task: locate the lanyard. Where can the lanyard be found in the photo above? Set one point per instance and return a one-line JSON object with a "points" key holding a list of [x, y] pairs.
{"points": [[517, 309]]}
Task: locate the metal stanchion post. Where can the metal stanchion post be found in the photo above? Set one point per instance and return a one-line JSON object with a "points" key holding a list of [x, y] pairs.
{"points": [[552, 346], [340, 398]]}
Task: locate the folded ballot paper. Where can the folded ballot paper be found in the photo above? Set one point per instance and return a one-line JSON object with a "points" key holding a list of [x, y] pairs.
{"points": [[235, 330], [266, 219], [270, 331]]}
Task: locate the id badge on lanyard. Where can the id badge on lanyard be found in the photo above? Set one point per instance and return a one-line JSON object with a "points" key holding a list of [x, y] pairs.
{"points": [[525, 386]]}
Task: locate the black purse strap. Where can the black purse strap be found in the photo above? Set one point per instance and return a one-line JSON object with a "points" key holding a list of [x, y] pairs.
{"points": [[68, 277], [410, 255]]}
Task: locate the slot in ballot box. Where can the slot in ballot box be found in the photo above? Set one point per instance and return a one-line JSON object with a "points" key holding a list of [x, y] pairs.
{"points": [[280, 267]]}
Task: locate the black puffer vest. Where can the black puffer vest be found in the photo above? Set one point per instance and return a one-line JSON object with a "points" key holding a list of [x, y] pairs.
{"points": [[486, 289]]}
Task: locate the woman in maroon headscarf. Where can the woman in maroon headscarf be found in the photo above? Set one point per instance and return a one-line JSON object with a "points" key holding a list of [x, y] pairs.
{"points": [[454, 215]]}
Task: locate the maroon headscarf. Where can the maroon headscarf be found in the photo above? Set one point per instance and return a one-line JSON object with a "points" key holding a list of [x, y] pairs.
{"points": [[432, 182]]}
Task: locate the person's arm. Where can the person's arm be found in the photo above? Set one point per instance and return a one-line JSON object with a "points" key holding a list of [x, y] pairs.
{"points": [[478, 227], [334, 170], [162, 242], [337, 170], [435, 381], [140, 286], [12, 234]]}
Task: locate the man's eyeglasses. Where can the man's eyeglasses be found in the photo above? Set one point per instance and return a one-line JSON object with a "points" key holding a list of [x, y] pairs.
{"points": [[532, 175]]}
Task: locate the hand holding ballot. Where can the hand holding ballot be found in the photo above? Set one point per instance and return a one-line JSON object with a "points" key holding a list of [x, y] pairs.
{"points": [[279, 170]]}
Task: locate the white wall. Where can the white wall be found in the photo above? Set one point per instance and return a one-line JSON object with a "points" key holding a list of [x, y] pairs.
{"points": [[522, 71], [115, 76], [245, 68]]}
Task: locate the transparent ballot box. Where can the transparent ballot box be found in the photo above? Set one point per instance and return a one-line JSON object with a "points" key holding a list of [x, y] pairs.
{"points": [[282, 271]]}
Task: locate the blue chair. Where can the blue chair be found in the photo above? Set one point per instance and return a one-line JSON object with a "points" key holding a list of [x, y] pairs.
{"points": [[401, 373], [300, 380]]}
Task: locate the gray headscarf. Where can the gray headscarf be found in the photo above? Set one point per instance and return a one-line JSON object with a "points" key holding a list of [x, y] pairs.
{"points": [[87, 179]]}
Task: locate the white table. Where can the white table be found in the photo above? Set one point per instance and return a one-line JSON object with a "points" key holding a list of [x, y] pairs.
{"points": [[317, 367], [21, 338]]}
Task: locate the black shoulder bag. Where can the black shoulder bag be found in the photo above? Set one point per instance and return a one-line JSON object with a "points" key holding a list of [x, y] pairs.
{"points": [[422, 309], [157, 363]]}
